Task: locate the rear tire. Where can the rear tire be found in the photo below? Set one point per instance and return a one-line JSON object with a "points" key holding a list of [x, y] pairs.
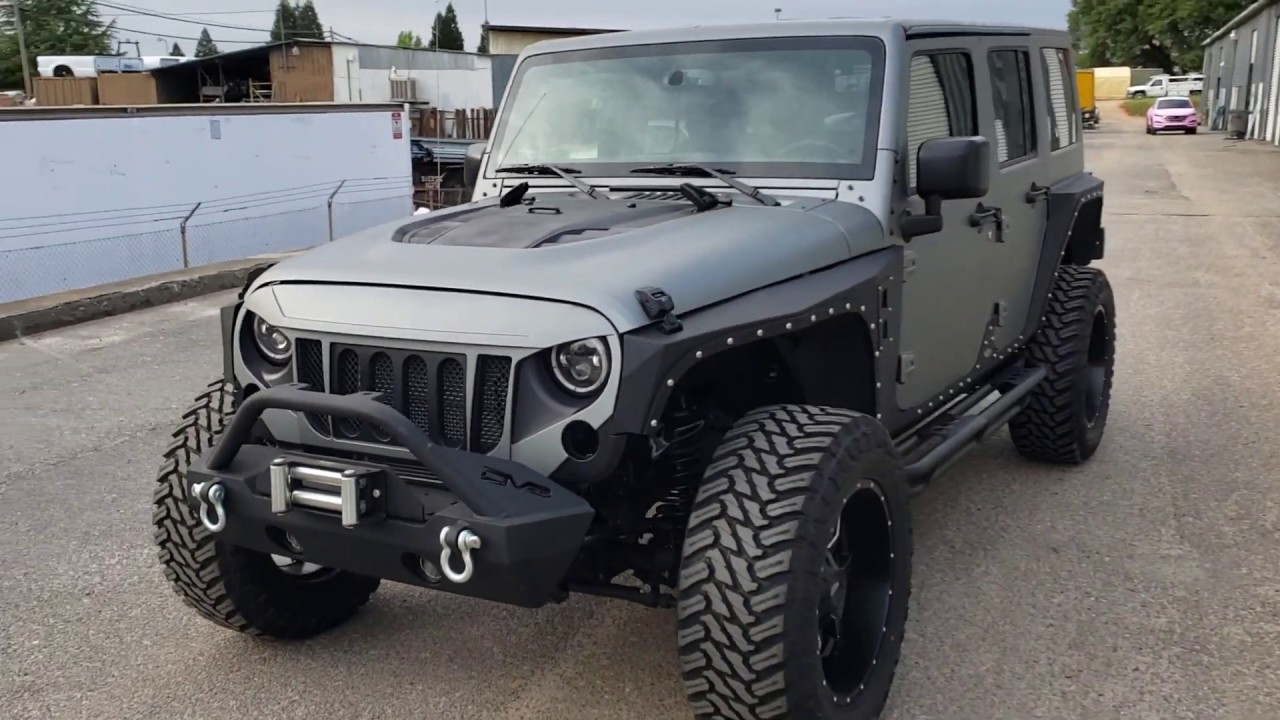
{"points": [[1066, 416], [801, 526], [235, 588]]}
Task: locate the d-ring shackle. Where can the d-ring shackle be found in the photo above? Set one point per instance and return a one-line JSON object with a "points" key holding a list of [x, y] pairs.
{"points": [[467, 541]]}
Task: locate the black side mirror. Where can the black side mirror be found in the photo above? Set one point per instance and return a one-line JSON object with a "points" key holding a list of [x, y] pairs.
{"points": [[471, 165], [948, 168]]}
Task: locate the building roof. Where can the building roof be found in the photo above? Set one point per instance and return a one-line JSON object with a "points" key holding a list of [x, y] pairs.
{"points": [[1245, 16], [244, 53], [546, 29]]}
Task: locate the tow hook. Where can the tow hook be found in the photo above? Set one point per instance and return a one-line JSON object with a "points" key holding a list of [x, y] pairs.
{"points": [[210, 495], [466, 541]]}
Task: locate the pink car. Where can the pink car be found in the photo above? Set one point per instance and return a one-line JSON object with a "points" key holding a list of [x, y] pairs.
{"points": [[1172, 113]]}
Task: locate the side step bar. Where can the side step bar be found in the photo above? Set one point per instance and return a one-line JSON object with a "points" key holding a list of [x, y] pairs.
{"points": [[961, 435]]}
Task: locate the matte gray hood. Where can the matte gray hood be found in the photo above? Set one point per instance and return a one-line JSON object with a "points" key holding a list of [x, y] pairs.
{"points": [[595, 253]]}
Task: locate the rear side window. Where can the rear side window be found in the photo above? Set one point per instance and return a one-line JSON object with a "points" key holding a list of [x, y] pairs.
{"points": [[941, 102], [1063, 120], [1011, 93]]}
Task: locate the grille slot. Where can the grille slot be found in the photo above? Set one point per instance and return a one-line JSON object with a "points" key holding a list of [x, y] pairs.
{"points": [[417, 392], [453, 402], [384, 381], [493, 379], [429, 388], [309, 363], [346, 380]]}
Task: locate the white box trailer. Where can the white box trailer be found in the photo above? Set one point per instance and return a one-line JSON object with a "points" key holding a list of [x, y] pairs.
{"points": [[101, 194]]}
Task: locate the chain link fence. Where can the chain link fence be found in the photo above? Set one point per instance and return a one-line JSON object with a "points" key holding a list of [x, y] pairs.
{"points": [[49, 254]]}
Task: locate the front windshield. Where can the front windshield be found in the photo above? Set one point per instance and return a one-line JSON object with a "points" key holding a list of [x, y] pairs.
{"points": [[781, 107], [1174, 103]]}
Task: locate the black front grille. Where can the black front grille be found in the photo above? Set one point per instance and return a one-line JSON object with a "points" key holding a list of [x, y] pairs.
{"points": [[428, 388]]}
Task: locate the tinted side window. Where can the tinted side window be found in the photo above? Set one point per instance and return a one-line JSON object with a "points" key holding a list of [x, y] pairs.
{"points": [[1011, 92], [1064, 128], [941, 102]]}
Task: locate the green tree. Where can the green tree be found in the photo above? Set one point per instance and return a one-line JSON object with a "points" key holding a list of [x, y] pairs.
{"points": [[1147, 33], [205, 45], [176, 51], [409, 39], [286, 21], [308, 21], [445, 33], [483, 46], [51, 27]]}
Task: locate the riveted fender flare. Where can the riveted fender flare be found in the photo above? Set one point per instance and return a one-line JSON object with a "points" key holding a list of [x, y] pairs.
{"points": [[654, 362], [1073, 235]]}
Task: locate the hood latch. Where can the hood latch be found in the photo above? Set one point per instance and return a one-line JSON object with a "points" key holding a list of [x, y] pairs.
{"points": [[658, 305]]}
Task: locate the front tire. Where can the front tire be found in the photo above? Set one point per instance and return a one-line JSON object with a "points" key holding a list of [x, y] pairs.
{"points": [[796, 569], [235, 588], [1066, 416]]}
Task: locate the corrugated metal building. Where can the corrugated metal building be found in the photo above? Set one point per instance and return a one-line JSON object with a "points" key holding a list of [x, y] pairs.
{"points": [[1242, 71]]}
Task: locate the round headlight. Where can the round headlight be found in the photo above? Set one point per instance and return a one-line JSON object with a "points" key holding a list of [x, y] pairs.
{"points": [[582, 366], [273, 344]]}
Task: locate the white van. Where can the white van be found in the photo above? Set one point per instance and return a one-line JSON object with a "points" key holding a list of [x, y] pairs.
{"points": [[1162, 85]]}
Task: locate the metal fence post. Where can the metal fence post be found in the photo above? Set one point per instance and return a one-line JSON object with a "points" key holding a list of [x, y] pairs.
{"points": [[330, 204], [182, 230]]}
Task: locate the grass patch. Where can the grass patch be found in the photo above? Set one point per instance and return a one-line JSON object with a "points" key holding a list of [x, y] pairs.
{"points": [[1138, 107]]}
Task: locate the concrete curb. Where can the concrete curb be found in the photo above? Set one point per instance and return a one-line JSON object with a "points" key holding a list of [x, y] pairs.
{"points": [[50, 312]]}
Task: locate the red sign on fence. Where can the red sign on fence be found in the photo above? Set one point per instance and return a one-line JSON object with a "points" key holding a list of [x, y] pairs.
{"points": [[397, 125]]}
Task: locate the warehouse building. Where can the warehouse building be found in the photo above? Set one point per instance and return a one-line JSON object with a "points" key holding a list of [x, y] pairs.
{"points": [[1242, 72]]}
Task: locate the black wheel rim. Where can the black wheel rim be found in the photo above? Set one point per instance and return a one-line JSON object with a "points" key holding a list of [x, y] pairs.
{"points": [[856, 576], [1095, 372]]}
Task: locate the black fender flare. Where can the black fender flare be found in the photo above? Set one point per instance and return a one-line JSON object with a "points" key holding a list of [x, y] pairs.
{"points": [[654, 362], [1073, 235]]}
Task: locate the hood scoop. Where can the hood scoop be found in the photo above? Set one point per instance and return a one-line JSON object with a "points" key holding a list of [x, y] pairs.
{"points": [[536, 222], [657, 195]]}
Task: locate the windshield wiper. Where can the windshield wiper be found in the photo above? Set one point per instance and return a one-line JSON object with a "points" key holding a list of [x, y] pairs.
{"points": [[704, 171], [563, 172]]}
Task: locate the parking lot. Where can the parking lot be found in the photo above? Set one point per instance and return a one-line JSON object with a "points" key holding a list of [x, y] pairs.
{"points": [[1143, 585]]}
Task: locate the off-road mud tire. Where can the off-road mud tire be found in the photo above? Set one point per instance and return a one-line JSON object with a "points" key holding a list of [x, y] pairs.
{"points": [[1055, 425], [750, 581], [233, 587]]}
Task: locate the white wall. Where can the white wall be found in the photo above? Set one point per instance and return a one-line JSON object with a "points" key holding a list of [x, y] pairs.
{"points": [[449, 81], [103, 193], [511, 42]]}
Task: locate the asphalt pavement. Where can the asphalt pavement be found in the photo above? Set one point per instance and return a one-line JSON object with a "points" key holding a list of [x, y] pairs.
{"points": [[1143, 585]]}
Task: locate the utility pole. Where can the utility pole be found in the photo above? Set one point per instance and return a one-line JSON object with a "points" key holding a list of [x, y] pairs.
{"points": [[22, 47]]}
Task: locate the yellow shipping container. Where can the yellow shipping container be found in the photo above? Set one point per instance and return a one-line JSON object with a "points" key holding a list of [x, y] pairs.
{"points": [[1088, 103]]}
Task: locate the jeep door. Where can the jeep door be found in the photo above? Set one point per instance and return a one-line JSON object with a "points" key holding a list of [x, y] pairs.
{"points": [[946, 296], [1011, 105]]}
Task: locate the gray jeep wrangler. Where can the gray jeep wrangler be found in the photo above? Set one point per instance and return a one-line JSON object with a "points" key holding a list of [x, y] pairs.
{"points": [[723, 299]]}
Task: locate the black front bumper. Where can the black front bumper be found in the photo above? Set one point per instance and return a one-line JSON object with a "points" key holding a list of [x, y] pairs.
{"points": [[370, 519]]}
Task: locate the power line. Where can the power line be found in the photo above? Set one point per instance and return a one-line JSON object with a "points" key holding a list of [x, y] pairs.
{"points": [[174, 18], [185, 37], [189, 14]]}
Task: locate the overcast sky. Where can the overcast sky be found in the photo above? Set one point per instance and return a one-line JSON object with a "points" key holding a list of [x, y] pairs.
{"points": [[378, 21]]}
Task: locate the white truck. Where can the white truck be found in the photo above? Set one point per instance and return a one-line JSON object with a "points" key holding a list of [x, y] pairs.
{"points": [[93, 65], [1163, 85]]}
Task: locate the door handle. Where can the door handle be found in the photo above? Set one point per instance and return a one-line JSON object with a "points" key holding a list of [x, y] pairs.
{"points": [[1036, 192], [982, 213]]}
